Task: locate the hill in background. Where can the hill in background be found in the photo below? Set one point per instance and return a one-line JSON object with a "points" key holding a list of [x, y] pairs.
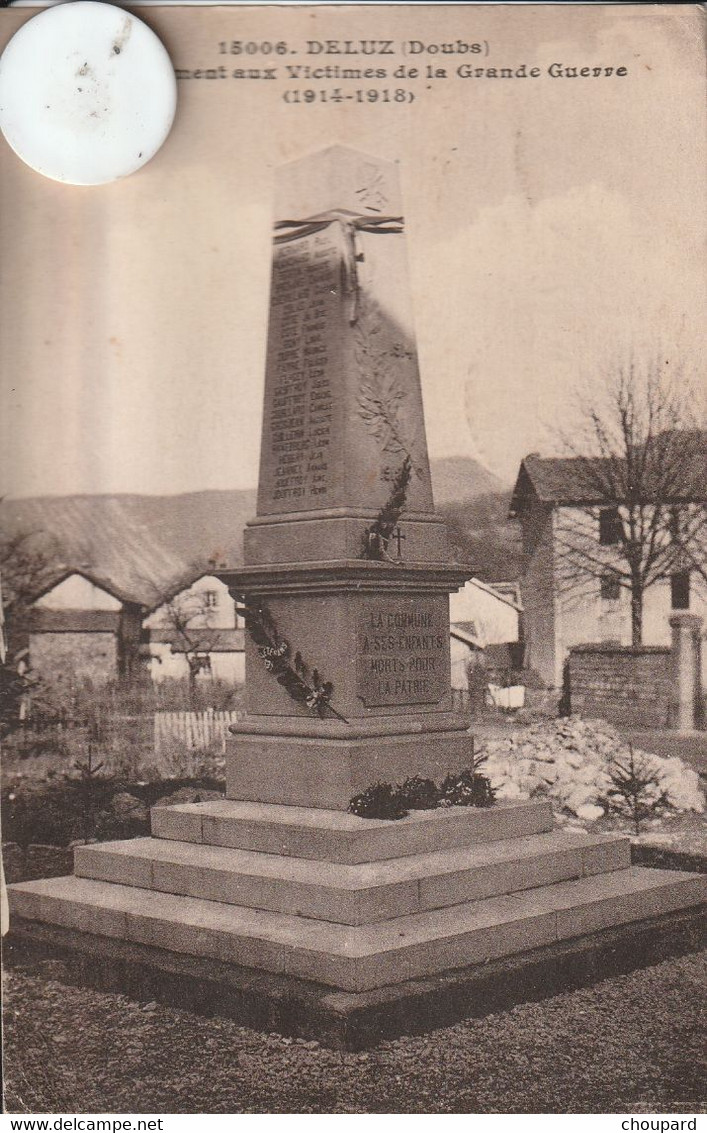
{"points": [[456, 479], [474, 504], [146, 544], [484, 537]]}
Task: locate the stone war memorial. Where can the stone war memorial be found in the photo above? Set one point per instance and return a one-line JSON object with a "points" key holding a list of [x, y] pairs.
{"points": [[276, 904]]}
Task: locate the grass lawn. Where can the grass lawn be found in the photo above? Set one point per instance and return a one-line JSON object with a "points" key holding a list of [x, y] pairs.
{"points": [[631, 1044]]}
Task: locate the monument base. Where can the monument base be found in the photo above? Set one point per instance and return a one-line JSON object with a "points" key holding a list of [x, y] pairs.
{"points": [[320, 922], [352, 1020], [327, 772]]}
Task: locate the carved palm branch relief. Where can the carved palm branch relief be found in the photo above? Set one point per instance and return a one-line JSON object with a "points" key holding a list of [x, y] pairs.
{"points": [[382, 396], [302, 685], [382, 407]]}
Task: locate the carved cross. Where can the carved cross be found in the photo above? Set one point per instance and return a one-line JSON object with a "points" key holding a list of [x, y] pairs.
{"points": [[398, 536]]}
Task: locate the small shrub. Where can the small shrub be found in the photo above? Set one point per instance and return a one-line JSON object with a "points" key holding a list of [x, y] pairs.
{"points": [[382, 800], [89, 777], [478, 758], [191, 794], [636, 790], [417, 793], [468, 788]]}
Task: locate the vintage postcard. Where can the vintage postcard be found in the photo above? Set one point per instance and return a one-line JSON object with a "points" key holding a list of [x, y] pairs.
{"points": [[353, 554]]}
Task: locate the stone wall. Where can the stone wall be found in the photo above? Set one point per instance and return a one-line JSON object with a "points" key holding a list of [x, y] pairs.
{"points": [[75, 655], [629, 687]]}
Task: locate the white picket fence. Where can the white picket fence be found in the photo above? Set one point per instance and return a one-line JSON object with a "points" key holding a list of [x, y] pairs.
{"points": [[196, 731]]}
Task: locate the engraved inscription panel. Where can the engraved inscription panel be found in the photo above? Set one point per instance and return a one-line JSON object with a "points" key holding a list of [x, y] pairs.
{"points": [[299, 410], [402, 651]]}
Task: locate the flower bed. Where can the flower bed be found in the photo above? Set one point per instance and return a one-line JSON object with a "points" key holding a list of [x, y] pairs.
{"points": [[62, 811]]}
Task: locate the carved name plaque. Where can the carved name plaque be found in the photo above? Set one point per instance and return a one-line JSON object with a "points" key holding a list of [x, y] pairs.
{"points": [[299, 418], [403, 651]]}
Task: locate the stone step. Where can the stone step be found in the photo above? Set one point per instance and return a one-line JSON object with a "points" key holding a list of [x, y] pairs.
{"points": [[352, 894], [358, 958], [335, 836]]}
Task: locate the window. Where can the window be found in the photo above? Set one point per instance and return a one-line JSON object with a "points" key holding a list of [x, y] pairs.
{"points": [[680, 590], [610, 586], [610, 526], [210, 599]]}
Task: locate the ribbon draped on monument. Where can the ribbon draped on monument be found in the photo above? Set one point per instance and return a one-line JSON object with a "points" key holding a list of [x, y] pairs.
{"points": [[288, 230]]}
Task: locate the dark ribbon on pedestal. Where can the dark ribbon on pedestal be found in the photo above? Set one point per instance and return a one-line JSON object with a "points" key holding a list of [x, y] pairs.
{"points": [[288, 230]]}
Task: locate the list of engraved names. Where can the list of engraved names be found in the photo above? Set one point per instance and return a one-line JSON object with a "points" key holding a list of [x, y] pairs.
{"points": [[299, 411]]}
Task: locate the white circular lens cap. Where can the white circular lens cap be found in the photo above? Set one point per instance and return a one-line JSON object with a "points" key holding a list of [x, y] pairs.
{"points": [[87, 93]]}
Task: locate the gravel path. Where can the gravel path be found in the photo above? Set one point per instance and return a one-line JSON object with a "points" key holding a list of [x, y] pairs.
{"points": [[631, 1044]]}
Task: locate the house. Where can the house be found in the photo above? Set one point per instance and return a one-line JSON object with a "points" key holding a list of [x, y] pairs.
{"points": [[570, 587], [481, 616], [82, 627], [196, 630]]}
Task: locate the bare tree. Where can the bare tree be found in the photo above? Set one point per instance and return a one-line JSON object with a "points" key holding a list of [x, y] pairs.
{"points": [[638, 480], [189, 618], [28, 561]]}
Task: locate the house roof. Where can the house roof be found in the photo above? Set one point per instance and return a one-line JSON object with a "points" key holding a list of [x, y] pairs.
{"points": [[141, 592], [466, 632], [183, 585], [595, 480], [555, 480], [118, 542], [94, 576], [494, 589]]}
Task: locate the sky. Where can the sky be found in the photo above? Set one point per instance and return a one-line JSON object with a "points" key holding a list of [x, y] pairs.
{"points": [[552, 228]]}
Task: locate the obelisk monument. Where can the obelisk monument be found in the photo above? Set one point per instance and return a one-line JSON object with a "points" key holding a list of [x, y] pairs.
{"points": [[347, 569], [272, 905]]}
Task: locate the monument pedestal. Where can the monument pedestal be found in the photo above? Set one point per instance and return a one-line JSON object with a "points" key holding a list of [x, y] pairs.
{"points": [[383, 631], [321, 772]]}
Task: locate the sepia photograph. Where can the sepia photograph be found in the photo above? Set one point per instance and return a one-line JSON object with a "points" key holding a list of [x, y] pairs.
{"points": [[353, 560]]}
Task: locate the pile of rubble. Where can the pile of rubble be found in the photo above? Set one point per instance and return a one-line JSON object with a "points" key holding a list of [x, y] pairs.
{"points": [[572, 760]]}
